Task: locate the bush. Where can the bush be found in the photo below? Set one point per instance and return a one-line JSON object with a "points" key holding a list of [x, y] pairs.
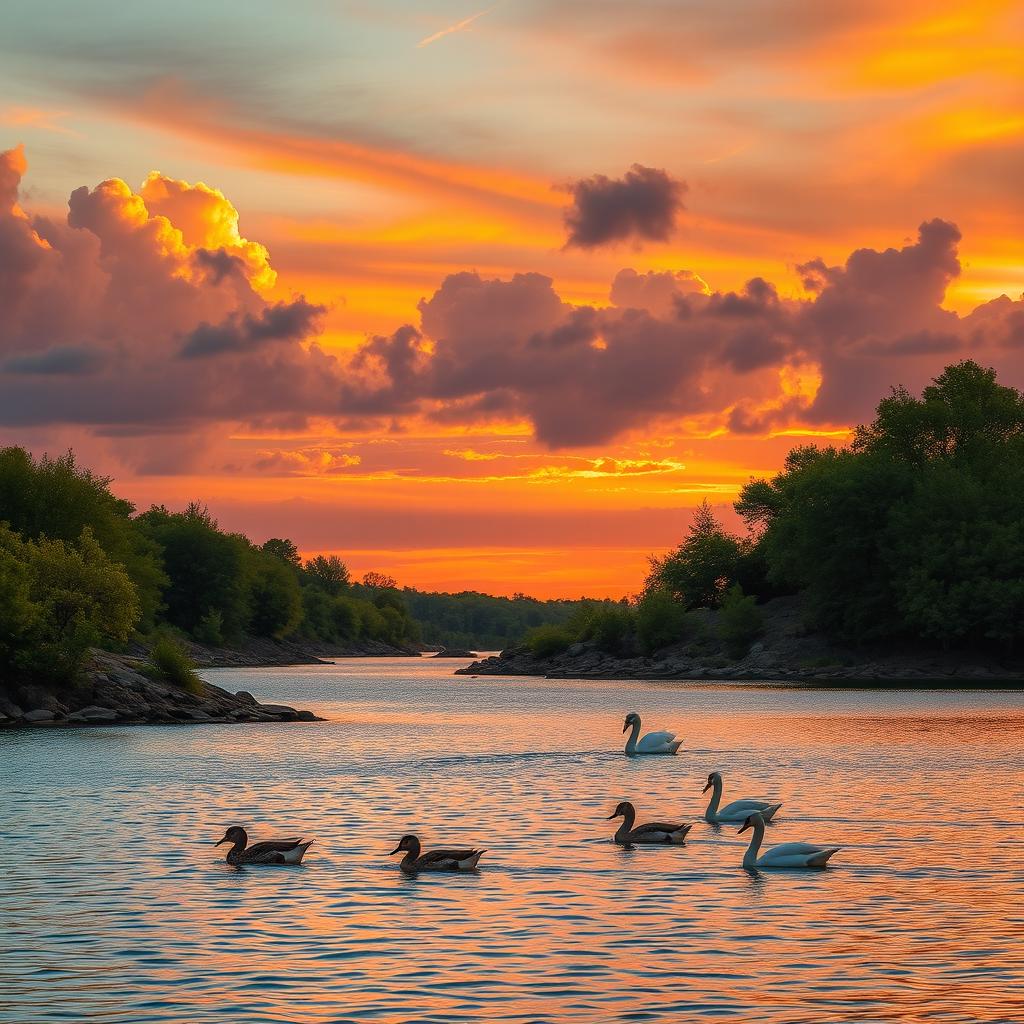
{"points": [[546, 641], [612, 627], [740, 621], [173, 665], [660, 620], [210, 629]]}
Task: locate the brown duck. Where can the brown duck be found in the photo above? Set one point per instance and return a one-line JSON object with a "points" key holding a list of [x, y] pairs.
{"points": [[271, 851], [434, 860], [655, 832]]}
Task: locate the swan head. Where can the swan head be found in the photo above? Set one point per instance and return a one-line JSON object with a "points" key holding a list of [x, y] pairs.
{"points": [[621, 810], [631, 719], [751, 821], [712, 779], [235, 835], [408, 844]]}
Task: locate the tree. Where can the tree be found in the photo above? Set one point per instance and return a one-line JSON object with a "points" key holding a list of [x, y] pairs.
{"points": [[285, 550], [328, 572], [379, 581], [274, 596], [700, 570], [660, 620], [740, 621]]}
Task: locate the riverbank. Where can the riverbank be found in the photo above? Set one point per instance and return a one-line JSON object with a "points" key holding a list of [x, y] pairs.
{"points": [[261, 652], [785, 650], [119, 689]]}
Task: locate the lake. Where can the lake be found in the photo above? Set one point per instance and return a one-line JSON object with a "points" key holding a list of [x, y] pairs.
{"points": [[115, 905]]}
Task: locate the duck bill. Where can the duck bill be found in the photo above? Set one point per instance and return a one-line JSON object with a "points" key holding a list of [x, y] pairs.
{"points": [[397, 849], [220, 841], [610, 816]]}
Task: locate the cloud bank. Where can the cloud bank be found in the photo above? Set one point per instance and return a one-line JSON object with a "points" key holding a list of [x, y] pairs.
{"points": [[147, 313]]}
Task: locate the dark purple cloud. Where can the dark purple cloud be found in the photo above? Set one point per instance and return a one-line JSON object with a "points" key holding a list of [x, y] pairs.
{"points": [[643, 205], [284, 321]]}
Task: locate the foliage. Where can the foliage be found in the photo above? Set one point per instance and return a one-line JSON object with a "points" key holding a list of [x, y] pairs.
{"points": [[915, 530], [57, 600], [285, 550], [660, 620], [379, 581], [701, 569], [546, 641], [329, 573], [274, 597], [740, 621], [173, 665]]}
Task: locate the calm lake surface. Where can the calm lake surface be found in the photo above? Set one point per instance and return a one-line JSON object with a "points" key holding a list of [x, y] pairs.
{"points": [[115, 906]]}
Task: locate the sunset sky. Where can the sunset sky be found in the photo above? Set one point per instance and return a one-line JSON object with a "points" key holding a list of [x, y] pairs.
{"points": [[490, 297]]}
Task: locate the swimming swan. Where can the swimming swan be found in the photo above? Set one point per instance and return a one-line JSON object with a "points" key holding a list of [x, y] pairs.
{"points": [[272, 851], [788, 855], [652, 743], [738, 810], [655, 832]]}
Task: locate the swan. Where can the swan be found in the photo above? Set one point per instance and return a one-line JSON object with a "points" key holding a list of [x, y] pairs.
{"points": [[788, 855], [655, 832], [738, 810], [272, 851], [435, 860], [652, 743]]}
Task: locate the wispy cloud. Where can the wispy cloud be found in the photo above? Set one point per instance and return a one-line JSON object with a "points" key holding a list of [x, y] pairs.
{"points": [[459, 26]]}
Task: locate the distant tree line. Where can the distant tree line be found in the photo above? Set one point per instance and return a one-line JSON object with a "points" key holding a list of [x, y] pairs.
{"points": [[912, 533], [79, 568]]}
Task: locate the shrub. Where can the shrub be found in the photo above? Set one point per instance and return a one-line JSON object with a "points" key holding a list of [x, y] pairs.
{"points": [[611, 627], [545, 641], [740, 621], [660, 620], [210, 629], [173, 665]]}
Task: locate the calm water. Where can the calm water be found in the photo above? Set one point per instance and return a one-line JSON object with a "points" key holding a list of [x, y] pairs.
{"points": [[114, 905]]}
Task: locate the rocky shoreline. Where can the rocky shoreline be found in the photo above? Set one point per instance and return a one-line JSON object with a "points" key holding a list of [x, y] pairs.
{"points": [[256, 652], [786, 651], [115, 690]]}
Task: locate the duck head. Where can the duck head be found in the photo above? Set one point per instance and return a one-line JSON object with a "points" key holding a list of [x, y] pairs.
{"points": [[712, 779], [236, 835], [751, 821], [621, 810], [631, 719], [407, 844]]}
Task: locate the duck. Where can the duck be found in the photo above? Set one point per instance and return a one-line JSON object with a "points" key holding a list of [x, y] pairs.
{"points": [[434, 860], [657, 832], [788, 855], [652, 743], [271, 851], [738, 810]]}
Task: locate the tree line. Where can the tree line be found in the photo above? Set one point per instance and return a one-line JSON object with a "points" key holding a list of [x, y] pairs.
{"points": [[913, 533]]}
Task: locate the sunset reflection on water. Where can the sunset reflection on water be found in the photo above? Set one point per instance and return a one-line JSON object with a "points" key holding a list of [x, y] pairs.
{"points": [[116, 906]]}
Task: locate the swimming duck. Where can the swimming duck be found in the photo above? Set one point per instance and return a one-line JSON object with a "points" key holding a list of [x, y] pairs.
{"points": [[738, 810], [271, 851], [652, 743], [434, 860], [788, 855], [655, 832]]}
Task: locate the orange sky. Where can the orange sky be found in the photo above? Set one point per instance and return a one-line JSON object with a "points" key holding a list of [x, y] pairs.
{"points": [[357, 155]]}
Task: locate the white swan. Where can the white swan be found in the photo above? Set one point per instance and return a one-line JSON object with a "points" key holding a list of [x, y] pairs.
{"points": [[738, 810], [788, 855], [652, 743]]}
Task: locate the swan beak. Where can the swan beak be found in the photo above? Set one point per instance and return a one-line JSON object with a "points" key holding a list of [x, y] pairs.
{"points": [[224, 840], [744, 827], [706, 788], [625, 727], [610, 816], [397, 849]]}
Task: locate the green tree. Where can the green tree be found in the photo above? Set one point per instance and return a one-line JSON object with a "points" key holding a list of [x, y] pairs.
{"points": [[274, 598], [285, 550], [328, 572], [740, 621], [660, 620], [700, 570]]}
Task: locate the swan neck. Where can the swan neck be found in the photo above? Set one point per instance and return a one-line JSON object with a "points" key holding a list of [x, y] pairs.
{"points": [[716, 799], [633, 735], [750, 857]]}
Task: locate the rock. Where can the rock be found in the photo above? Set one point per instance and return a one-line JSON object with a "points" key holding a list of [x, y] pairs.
{"points": [[197, 715], [247, 697], [10, 709], [95, 714], [39, 715], [306, 716], [276, 709], [575, 650]]}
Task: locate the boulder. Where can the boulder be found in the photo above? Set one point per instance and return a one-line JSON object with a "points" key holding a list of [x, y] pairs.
{"points": [[247, 697], [94, 714], [39, 715], [277, 709]]}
